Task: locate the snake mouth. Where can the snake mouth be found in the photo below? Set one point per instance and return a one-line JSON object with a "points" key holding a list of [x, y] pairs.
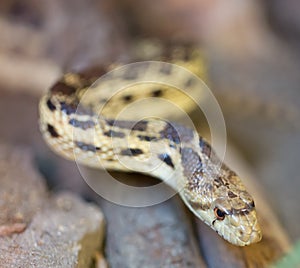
{"points": [[254, 236], [240, 230], [245, 239]]}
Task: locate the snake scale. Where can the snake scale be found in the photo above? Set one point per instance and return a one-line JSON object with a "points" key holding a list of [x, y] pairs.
{"points": [[72, 126]]}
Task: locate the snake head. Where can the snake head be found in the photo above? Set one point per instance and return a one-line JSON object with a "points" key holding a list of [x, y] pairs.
{"points": [[231, 213], [235, 219]]}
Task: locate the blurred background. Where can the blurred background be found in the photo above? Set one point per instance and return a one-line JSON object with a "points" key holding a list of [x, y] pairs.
{"points": [[252, 50]]}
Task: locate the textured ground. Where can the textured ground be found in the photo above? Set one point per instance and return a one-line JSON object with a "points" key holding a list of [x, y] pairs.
{"points": [[38, 229]]}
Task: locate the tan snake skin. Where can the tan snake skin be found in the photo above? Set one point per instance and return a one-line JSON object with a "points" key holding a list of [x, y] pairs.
{"points": [[177, 154]]}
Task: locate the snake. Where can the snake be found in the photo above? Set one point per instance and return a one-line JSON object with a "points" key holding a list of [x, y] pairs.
{"points": [[73, 127]]}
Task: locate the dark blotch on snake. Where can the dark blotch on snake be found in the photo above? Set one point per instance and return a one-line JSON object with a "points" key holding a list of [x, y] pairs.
{"points": [[175, 132], [127, 98], [132, 152], [52, 131], [205, 147], [50, 105], [167, 159], [73, 108], [140, 126], [91, 74], [82, 124], [170, 133], [68, 108], [61, 87], [192, 166], [86, 147], [157, 93], [146, 138], [231, 194], [114, 134]]}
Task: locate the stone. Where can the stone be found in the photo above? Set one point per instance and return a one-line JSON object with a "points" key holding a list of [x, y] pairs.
{"points": [[40, 230]]}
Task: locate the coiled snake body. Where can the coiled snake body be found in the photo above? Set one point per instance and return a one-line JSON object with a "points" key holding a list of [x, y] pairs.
{"points": [[71, 126]]}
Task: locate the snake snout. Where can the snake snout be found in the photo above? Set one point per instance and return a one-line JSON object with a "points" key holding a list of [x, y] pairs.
{"points": [[255, 237], [256, 234], [250, 235]]}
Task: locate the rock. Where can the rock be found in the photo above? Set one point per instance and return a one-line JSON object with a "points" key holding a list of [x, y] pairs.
{"points": [[154, 236], [19, 182], [158, 236], [41, 231]]}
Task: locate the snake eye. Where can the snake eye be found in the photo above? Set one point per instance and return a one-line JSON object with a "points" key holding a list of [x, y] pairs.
{"points": [[220, 214]]}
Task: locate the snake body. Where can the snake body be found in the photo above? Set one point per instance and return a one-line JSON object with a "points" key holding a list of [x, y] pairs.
{"points": [[71, 127]]}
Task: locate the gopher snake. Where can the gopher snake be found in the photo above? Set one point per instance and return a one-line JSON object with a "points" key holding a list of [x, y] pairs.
{"points": [[215, 195]]}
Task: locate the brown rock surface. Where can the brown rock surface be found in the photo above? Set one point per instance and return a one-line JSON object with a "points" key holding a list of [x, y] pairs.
{"points": [[22, 190], [41, 231]]}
